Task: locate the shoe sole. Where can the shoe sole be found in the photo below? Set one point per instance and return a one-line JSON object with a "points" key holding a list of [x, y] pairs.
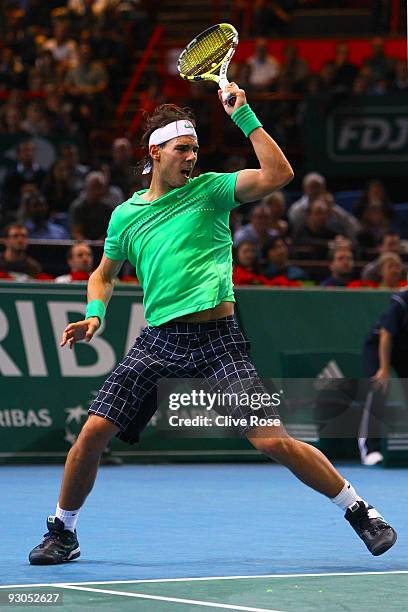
{"points": [[386, 546], [54, 562]]}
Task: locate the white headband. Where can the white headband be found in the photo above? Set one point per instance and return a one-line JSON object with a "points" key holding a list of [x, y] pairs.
{"points": [[183, 127]]}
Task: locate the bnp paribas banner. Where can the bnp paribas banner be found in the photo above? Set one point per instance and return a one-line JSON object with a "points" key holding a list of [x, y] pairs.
{"points": [[362, 135], [45, 390]]}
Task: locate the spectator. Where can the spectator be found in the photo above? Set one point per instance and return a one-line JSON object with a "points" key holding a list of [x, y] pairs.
{"points": [[390, 243], [63, 49], [87, 80], [276, 256], [14, 258], [90, 213], [341, 267], [379, 64], [258, 230], [26, 171], [44, 72], [315, 232], [77, 172], [36, 122], [35, 214], [294, 71], [374, 224], [313, 185], [58, 188], [11, 121], [390, 267], [340, 221], [374, 195], [80, 263], [121, 169], [264, 67], [272, 16], [344, 71], [246, 269], [276, 204], [400, 82], [12, 71]]}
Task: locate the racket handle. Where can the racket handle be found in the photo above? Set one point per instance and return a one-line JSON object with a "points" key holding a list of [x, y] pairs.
{"points": [[229, 98]]}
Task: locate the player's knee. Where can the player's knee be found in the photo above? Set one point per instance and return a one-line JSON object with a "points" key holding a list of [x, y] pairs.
{"points": [[276, 448], [96, 433]]}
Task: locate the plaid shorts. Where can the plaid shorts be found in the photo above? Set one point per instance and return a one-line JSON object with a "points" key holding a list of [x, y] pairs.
{"points": [[216, 351]]}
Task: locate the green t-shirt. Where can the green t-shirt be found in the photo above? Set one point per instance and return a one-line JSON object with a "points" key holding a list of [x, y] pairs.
{"points": [[180, 245]]}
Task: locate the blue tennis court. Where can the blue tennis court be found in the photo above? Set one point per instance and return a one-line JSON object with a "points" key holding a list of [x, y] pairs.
{"points": [[189, 537]]}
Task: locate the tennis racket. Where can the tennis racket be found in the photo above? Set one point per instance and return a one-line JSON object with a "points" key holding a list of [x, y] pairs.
{"points": [[207, 57]]}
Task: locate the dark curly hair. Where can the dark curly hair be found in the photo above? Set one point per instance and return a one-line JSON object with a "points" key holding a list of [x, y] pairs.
{"points": [[161, 116]]}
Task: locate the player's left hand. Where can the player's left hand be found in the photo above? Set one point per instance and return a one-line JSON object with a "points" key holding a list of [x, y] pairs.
{"points": [[240, 98]]}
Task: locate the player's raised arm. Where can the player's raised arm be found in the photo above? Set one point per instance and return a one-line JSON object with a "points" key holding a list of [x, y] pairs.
{"points": [[275, 171], [100, 288]]}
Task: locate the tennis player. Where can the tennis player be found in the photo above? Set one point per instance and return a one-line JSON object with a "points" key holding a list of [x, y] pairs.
{"points": [[176, 234]]}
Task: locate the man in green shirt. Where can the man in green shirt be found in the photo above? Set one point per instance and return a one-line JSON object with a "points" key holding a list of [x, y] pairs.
{"points": [[176, 234]]}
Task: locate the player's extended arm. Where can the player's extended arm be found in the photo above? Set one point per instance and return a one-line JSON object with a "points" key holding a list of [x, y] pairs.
{"points": [[100, 287], [275, 171], [382, 376]]}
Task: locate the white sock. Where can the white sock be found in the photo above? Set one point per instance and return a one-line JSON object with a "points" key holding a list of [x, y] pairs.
{"points": [[68, 517], [347, 497]]}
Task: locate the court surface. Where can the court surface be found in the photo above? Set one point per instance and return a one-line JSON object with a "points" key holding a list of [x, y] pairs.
{"points": [[206, 537]]}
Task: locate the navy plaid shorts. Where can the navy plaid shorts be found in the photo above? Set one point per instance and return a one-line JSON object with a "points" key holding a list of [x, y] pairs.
{"points": [[215, 350]]}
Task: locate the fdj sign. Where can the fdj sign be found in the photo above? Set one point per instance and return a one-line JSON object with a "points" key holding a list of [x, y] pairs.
{"points": [[368, 134]]}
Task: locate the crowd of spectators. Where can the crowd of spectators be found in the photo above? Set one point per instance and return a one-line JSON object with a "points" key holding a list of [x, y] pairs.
{"points": [[315, 241], [61, 71]]}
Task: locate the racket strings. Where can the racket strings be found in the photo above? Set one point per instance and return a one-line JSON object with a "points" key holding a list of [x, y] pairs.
{"points": [[207, 53]]}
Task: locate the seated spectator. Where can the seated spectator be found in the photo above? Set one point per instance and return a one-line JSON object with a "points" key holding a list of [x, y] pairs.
{"points": [[12, 71], [341, 267], [313, 185], [121, 169], [374, 224], [35, 214], [87, 80], [390, 267], [276, 256], [390, 243], [340, 221], [58, 188], [400, 81], [11, 120], [374, 195], [344, 71], [272, 17], [246, 269], [80, 263], [63, 49], [315, 232], [26, 171], [275, 201], [14, 258], [379, 64], [44, 72], [90, 213], [264, 67], [77, 171], [258, 230], [294, 71], [36, 122]]}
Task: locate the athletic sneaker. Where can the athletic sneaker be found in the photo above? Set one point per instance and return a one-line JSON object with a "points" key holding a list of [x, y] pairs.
{"points": [[370, 526], [58, 546]]}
